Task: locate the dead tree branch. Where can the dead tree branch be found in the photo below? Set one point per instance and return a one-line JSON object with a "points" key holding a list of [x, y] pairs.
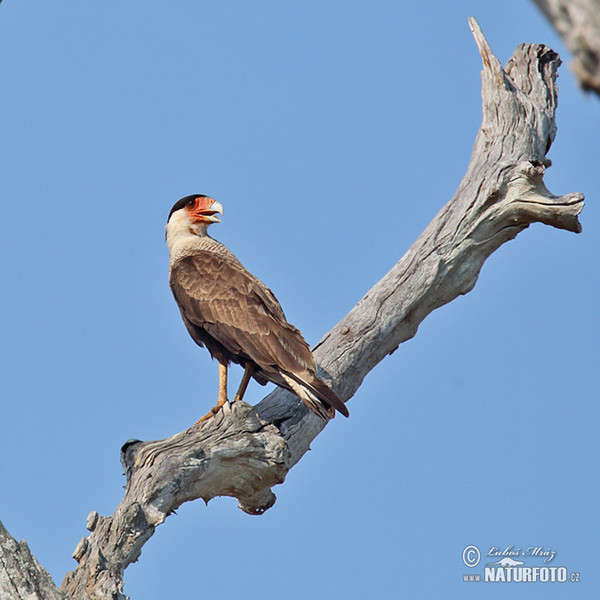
{"points": [[244, 451], [21, 576], [578, 24]]}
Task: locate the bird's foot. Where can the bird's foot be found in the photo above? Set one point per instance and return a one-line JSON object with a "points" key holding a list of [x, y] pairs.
{"points": [[213, 411]]}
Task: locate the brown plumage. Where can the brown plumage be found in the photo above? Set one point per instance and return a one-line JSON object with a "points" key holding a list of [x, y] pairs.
{"points": [[234, 315]]}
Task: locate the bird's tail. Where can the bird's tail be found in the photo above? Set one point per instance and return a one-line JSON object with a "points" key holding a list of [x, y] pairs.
{"points": [[316, 394]]}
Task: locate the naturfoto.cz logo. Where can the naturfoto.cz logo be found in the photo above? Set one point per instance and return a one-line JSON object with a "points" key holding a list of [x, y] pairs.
{"points": [[509, 566]]}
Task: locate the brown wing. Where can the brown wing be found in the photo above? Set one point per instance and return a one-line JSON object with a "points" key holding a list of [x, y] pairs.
{"points": [[238, 311]]}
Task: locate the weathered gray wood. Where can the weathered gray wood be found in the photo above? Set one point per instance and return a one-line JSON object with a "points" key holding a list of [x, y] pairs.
{"points": [[244, 452], [578, 24], [500, 195], [233, 454], [21, 576]]}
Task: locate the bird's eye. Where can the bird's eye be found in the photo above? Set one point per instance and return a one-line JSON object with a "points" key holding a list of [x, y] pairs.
{"points": [[191, 202]]}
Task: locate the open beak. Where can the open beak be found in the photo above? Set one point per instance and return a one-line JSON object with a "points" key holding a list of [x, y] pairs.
{"points": [[205, 211], [209, 214]]}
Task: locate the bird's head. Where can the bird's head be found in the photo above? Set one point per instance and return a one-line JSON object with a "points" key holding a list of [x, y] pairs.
{"points": [[192, 215]]}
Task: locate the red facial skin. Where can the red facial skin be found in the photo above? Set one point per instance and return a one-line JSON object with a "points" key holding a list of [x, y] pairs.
{"points": [[201, 211]]}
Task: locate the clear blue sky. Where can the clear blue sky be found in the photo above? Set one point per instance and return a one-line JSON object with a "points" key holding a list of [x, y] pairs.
{"points": [[332, 132]]}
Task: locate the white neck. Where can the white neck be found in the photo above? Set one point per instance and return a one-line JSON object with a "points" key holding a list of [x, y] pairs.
{"points": [[183, 236]]}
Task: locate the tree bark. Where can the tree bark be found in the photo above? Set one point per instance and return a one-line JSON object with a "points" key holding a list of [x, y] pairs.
{"points": [[244, 451], [21, 576], [578, 24]]}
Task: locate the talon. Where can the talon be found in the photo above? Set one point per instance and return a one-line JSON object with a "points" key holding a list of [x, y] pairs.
{"points": [[213, 411], [204, 418]]}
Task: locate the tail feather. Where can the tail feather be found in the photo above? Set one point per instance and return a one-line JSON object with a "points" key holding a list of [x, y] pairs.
{"points": [[316, 394]]}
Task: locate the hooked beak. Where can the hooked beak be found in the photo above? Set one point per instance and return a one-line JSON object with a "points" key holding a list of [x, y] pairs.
{"points": [[209, 213], [205, 211]]}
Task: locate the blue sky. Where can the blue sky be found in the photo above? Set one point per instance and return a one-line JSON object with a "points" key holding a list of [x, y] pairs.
{"points": [[332, 133]]}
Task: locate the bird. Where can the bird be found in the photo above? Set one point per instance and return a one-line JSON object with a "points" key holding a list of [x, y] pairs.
{"points": [[228, 310]]}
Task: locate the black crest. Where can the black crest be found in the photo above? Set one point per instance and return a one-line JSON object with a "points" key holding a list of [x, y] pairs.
{"points": [[187, 201]]}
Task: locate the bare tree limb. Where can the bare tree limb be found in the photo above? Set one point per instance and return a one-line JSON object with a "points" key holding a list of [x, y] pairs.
{"points": [[578, 24], [500, 195], [244, 451], [21, 576]]}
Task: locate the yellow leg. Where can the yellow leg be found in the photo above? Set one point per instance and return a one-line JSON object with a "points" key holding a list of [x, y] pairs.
{"points": [[244, 383], [222, 394], [222, 387]]}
